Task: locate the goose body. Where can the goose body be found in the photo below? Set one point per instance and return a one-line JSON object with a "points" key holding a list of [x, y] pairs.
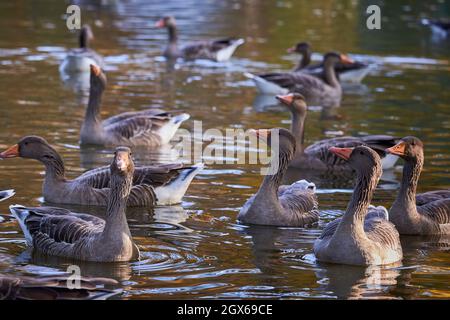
{"points": [[295, 205], [353, 72], [80, 59], [13, 287], [363, 236], [216, 50], [60, 232], [317, 155], [423, 214], [143, 128], [317, 91], [159, 184]]}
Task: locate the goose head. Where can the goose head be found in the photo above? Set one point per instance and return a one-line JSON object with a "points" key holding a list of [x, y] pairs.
{"points": [[332, 58], [280, 136], [409, 148], [31, 147], [166, 22], [86, 36], [301, 48], [98, 78], [294, 101], [122, 164], [362, 159]]}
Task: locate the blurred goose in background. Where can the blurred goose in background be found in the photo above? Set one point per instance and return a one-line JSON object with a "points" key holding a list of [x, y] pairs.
{"points": [[440, 27], [217, 50], [294, 205], [327, 92], [423, 214], [363, 236], [5, 194], [14, 287], [60, 232], [317, 156], [80, 59], [159, 184], [151, 128], [351, 72]]}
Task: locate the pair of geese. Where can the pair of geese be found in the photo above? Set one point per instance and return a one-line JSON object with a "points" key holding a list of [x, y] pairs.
{"points": [[80, 59], [365, 235]]}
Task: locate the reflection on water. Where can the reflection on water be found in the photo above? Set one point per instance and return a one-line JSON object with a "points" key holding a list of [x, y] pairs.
{"points": [[196, 249]]}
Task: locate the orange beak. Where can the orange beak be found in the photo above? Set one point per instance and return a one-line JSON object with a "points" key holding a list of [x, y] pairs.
{"points": [[286, 99], [343, 153], [290, 50], [160, 24], [11, 152], [398, 149], [346, 60], [95, 70]]}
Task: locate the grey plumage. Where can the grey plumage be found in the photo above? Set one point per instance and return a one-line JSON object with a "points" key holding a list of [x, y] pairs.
{"points": [[60, 232]]}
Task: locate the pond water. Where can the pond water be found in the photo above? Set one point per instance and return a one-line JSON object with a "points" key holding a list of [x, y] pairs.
{"points": [[197, 249]]}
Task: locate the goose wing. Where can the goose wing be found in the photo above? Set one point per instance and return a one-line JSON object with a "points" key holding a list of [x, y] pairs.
{"points": [[301, 205], [294, 81], [154, 176], [437, 210], [320, 149], [382, 231], [206, 49], [427, 197], [137, 130], [54, 288], [131, 114], [55, 230]]}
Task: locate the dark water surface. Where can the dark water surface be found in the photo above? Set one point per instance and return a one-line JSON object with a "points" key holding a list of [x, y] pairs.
{"points": [[197, 249]]}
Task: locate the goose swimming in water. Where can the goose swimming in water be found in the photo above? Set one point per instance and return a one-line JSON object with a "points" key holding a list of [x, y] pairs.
{"points": [[159, 184], [280, 205], [152, 128], [217, 50], [422, 214], [324, 91], [363, 236], [60, 232], [80, 59]]}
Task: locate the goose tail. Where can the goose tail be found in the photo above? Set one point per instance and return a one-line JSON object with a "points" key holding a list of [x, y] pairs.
{"points": [[174, 191], [5, 194], [21, 213]]}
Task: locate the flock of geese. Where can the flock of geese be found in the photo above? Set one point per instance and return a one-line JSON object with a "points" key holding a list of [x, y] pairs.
{"points": [[365, 235]]}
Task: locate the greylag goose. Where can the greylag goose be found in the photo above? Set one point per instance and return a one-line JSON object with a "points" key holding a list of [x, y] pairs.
{"points": [[13, 287], [363, 236], [295, 205], [60, 232], [317, 156], [79, 60], [423, 214], [160, 184], [351, 72], [5, 194], [438, 27], [217, 50], [151, 128], [325, 92]]}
